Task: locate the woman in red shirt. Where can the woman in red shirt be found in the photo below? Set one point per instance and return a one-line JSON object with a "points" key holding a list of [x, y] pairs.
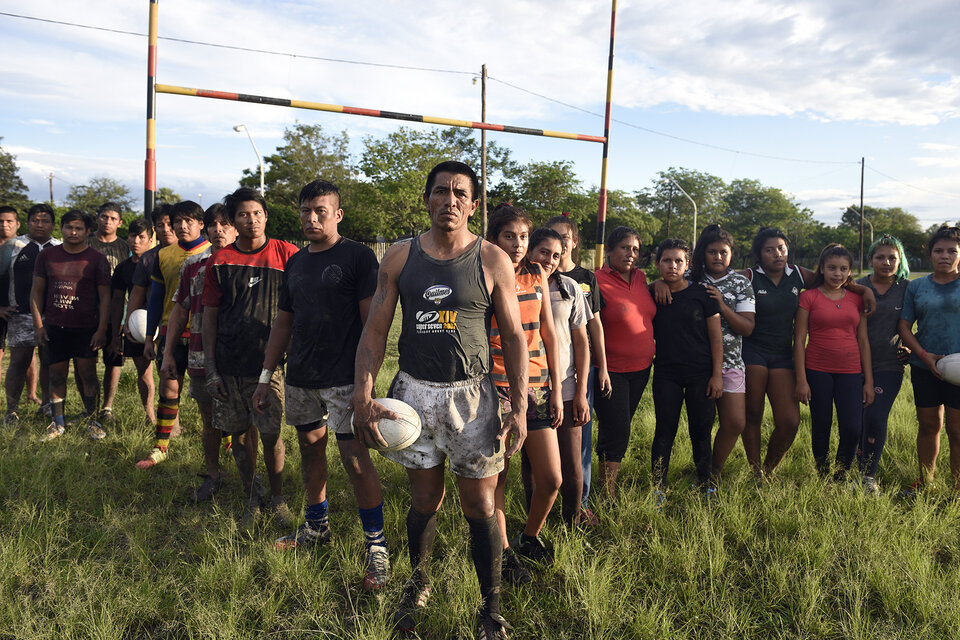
{"points": [[835, 367], [628, 331]]}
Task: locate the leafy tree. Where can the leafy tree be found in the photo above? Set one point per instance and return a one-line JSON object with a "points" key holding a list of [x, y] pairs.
{"points": [[307, 153], [667, 204], [88, 197], [12, 190], [396, 167], [166, 195], [894, 221], [750, 205]]}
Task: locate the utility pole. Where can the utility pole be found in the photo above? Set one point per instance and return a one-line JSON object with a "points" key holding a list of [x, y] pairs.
{"points": [[51, 188], [862, 166], [669, 209], [483, 150]]}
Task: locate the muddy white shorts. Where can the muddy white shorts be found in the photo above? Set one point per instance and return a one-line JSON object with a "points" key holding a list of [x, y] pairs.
{"points": [[460, 420]]}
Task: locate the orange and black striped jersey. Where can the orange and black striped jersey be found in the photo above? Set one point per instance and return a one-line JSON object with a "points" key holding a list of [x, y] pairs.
{"points": [[530, 296]]}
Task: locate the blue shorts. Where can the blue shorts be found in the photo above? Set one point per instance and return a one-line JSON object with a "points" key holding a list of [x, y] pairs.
{"points": [[755, 356]]}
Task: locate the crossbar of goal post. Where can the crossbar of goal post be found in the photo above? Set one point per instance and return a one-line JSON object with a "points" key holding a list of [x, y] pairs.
{"points": [[150, 171]]}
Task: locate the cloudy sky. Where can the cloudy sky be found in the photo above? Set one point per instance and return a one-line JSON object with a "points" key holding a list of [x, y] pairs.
{"points": [[792, 94]]}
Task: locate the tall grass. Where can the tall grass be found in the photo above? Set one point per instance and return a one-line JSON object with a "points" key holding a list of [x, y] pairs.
{"points": [[91, 547]]}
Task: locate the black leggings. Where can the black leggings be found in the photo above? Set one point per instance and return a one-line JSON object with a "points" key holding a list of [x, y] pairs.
{"points": [[669, 395], [615, 412]]}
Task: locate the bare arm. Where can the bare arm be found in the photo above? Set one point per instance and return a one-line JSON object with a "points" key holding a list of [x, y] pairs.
{"points": [[373, 343], [595, 328], [715, 333], [176, 323], [499, 271], [215, 384], [548, 335], [116, 319], [866, 361], [905, 329], [741, 322], [100, 338], [869, 299], [581, 362], [800, 325], [37, 294]]}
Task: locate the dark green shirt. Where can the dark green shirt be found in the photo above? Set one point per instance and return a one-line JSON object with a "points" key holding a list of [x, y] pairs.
{"points": [[776, 307]]}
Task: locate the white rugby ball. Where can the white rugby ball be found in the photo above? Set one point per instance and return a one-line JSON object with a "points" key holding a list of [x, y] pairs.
{"points": [[137, 323], [398, 434], [949, 368]]}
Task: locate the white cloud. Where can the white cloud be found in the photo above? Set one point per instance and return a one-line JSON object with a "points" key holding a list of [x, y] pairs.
{"points": [[937, 146]]}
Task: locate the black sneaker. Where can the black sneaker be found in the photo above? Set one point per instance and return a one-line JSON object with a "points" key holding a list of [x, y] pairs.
{"points": [[512, 570], [207, 489], [492, 626], [415, 595], [532, 548]]}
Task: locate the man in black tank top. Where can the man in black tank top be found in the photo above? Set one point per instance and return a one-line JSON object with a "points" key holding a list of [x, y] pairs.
{"points": [[448, 282]]}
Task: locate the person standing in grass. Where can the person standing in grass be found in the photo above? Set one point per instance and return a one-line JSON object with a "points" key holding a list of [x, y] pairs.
{"points": [[768, 350], [688, 369], [570, 319], [710, 266], [628, 337], [598, 374], [70, 303], [21, 338], [933, 304], [187, 219], [9, 224], [139, 240], [116, 250], [324, 301], [889, 281], [188, 311], [241, 294], [509, 229], [835, 367], [448, 281]]}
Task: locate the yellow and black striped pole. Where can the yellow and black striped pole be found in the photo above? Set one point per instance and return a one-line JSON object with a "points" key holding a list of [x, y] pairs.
{"points": [[150, 164], [373, 113], [602, 205]]}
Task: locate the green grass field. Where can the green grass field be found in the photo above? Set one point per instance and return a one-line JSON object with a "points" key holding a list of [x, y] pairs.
{"points": [[91, 547]]}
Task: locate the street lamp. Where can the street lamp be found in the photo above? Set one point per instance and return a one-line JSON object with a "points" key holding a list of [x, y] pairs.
{"points": [[243, 127], [677, 184]]}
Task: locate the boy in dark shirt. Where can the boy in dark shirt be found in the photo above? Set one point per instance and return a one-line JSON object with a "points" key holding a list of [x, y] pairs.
{"points": [[70, 303]]}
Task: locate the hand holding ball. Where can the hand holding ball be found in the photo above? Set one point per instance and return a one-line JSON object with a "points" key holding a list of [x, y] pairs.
{"points": [[949, 368], [137, 324], [399, 433]]}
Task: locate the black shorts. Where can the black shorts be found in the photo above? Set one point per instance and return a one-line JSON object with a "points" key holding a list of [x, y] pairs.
{"points": [[930, 391], [111, 359], [66, 343], [132, 349], [181, 352], [3, 335], [756, 356]]}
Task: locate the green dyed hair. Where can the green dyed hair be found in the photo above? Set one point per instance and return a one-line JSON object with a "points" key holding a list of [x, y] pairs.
{"points": [[887, 240]]}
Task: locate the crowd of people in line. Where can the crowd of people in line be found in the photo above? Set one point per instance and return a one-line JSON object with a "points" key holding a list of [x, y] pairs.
{"points": [[507, 344]]}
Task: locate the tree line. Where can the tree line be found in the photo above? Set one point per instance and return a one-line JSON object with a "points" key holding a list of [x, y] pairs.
{"points": [[382, 194]]}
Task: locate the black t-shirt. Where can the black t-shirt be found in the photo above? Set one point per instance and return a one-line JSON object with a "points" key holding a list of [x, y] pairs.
{"points": [[116, 251], [144, 268], [588, 284], [680, 329], [323, 290], [122, 279]]}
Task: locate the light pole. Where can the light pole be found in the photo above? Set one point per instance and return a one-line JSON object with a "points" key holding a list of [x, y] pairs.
{"points": [[243, 127], [677, 184]]}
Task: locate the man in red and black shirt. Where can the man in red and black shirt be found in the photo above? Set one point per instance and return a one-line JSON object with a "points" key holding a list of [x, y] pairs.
{"points": [[241, 295]]}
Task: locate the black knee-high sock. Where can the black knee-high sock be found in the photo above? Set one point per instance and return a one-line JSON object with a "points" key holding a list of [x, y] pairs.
{"points": [[486, 547], [421, 532], [91, 403]]}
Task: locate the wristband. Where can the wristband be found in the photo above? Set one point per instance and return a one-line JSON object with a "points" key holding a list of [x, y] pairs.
{"points": [[265, 376], [923, 352]]}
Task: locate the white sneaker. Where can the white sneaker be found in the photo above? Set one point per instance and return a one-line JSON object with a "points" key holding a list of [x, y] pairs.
{"points": [[53, 432]]}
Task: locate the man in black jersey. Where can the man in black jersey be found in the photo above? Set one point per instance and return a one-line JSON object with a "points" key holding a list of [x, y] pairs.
{"points": [[448, 281], [324, 301]]}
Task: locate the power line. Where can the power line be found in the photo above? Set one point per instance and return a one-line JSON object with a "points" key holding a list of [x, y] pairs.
{"points": [[673, 137], [236, 48], [913, 186]]}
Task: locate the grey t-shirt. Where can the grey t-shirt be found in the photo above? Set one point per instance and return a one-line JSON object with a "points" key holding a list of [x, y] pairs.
{"points": [[570, 312], [882, 325]]}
